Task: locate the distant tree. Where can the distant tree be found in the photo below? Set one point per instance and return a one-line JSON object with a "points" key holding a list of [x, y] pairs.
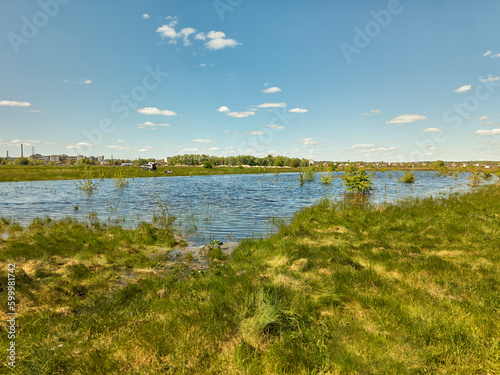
{"points": [[21, 161], [278, 161], [438, 164], [294, 163]]}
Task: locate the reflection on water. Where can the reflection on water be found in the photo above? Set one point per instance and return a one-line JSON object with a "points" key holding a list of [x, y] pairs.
{"points": [[229, 207]]}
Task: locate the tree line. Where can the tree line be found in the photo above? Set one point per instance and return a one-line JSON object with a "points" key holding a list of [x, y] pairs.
{"points": [[268, 161]]}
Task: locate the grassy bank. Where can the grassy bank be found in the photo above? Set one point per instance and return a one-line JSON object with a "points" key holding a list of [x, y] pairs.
{"points": [[71, 172], [408, 289]]}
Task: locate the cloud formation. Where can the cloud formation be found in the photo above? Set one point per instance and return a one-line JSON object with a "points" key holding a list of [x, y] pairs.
{"points": [[406, 119], [214, 40], [488, 132], [277, 127], [151, 125], [309, 142], [223, 109], [241, 114], [464, 88], [156, 111], [271, 90], [12, 103], [373, 112], [298, 110], [203, 141], [272, 105], [432, 130]]}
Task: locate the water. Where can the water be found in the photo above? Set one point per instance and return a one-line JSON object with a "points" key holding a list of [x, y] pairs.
{"points": [[228, 208]]}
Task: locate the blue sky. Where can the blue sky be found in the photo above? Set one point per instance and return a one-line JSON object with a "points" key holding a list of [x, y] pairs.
{"points": [[329, 80]]}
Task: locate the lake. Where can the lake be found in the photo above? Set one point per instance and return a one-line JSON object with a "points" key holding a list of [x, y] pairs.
{"points": [[227, 207]]}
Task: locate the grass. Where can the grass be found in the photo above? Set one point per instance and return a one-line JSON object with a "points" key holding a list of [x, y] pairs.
{"points": [[410, 288], [69, 172]]}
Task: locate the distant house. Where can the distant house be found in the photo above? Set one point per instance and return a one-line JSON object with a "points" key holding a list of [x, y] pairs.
{"points": [[311, 161], [126, 164]]}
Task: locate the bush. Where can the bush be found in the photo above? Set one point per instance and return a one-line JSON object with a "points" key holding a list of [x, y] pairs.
{"points": [[326, 178], [408, 178], [357, 180], [21, 161], [207, 164], [309, 174]]}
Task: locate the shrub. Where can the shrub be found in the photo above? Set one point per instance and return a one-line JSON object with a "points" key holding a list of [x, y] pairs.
{"points": [[326, 178], [309, 174], [357, 180], [408, 178], [207, 164], [21, 161]]}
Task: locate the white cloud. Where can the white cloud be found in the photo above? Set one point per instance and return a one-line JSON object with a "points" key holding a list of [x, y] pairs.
{"points": [[36, 111], [372, 112], [189, 149], [272, 105], [145, 16], [464, 88], [378, 149], [121, 141], [309, 142], [298, 110], [271, 90], [277, 127], [223, 109], [203, 141], [114, 147], [484, 118], [168, 32], [487, 53], [363, 145], [406, 119], [79, 144], [241, 114], [216, 40], [156, 111], [151, 125], [144, 149], [12, 103], [214, 149], [255, 132], [490, 78], [432, 130], [84, 81], [488, 132]]}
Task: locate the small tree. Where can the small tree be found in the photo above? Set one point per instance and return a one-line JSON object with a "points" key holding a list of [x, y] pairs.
{"points": [[357, 180], [207, 164]]}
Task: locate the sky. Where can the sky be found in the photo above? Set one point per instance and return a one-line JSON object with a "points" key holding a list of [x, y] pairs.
{"points": [[325, 80]]}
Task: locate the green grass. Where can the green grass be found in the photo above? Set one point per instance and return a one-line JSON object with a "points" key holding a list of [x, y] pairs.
{"points": [[69, 172], [410, 288]]}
